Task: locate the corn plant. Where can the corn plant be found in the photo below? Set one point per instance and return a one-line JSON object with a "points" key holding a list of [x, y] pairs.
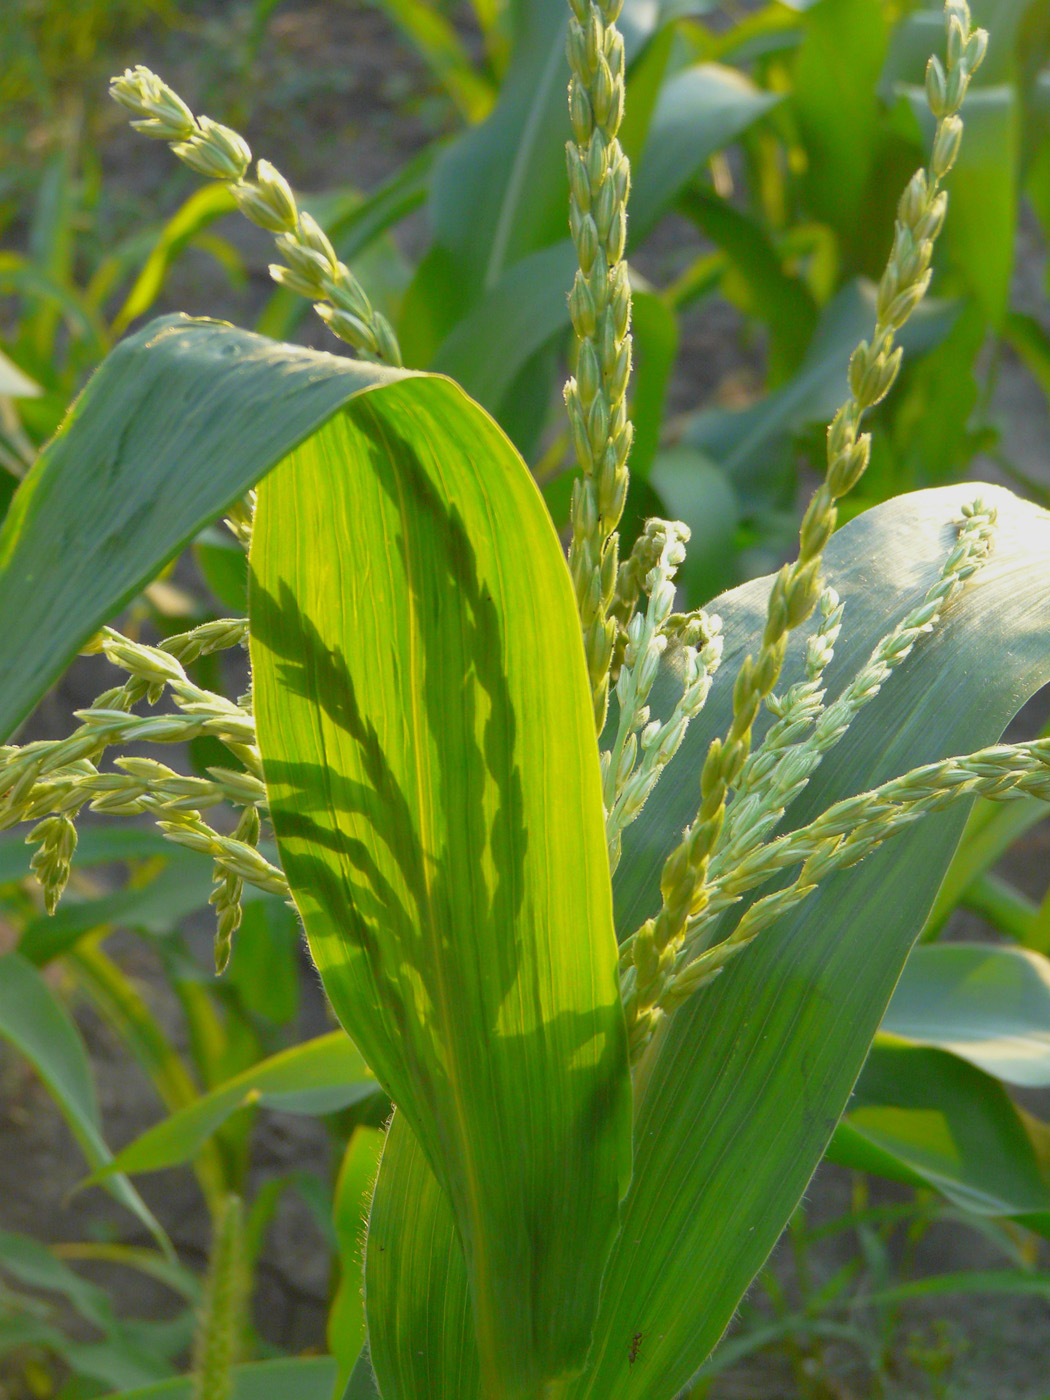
{"points": [[605, 894]]}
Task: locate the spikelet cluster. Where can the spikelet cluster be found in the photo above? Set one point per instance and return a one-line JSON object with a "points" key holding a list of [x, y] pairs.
{"points": [[600, 307], [657, 945], [52, 781], [310, 265]]}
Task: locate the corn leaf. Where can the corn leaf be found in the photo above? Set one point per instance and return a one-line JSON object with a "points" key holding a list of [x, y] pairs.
{"points": [[987, 1004], [699, 110], [350, 1202], [33, 1020], [930, 1116], [425, 726], [179, 420], [748, 1081], [319, 1076]]}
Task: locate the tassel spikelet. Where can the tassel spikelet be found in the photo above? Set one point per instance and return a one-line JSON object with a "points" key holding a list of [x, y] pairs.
{"points": [[51, 781], [797, 588], [600, 307], [851, 830], [626, 787], [310, 267]]}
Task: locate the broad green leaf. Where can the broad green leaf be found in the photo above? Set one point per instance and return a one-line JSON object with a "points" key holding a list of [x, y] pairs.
{"points": [[301, 1377], [38, 1026], [319, 1076], [353, 1195], [945, 1123], [987, 1004], [416, 1282], [427, 738], [745, 1084], [699, 110], [835, 104], [180, 419], [526, 308], [362, 1384]]}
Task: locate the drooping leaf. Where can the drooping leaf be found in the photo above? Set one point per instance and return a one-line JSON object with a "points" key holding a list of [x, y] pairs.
{"points": [[930, 1116], [180, 419], [319, 1076], [780, 1037], [38, 1026], [427, 739], [987, 1004]]}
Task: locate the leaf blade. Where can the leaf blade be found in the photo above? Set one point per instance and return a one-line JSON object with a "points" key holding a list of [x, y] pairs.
{"points": [[423, 719]]}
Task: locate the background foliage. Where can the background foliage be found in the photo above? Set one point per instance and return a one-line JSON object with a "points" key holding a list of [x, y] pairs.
{"points": [[769, 145]]}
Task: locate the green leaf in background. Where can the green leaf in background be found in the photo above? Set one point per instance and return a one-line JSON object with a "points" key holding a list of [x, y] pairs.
{"points": [[97, 844], [319, 1076], [699, 111], [696, 491], [130, 1352], [353, 1195], [291, 1378], [180, 886], [445, 54], [655, 331], [791, 1021], [179, 420], [749, 443], [946, 1123], [34, 1021], [987, 1004], [834, 100], [525, 309], [434, 786], [202, 208]]}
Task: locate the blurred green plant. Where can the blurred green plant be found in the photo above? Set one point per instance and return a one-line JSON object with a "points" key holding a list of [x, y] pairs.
{"points": [[487, 305]]}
